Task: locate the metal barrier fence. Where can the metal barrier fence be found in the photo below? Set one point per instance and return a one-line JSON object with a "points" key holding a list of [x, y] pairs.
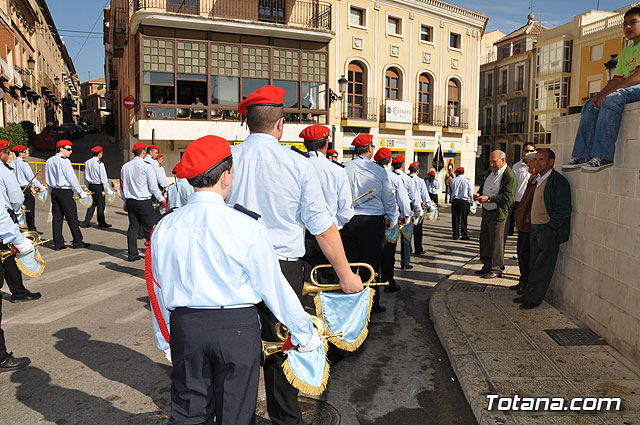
{"points": [[40, 173]]}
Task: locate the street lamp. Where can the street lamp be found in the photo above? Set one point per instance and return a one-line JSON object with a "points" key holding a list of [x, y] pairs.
{"points": [[31, 63], [611, 65], [342, 88]]}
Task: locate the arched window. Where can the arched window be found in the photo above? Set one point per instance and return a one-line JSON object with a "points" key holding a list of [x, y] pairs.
{"points": [[425, 106], [453, 99], [356, 91], [392, 84]]}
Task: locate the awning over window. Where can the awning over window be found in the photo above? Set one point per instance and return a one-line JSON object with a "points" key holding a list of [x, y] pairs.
{"points": [[5, 71], [17, 81]]}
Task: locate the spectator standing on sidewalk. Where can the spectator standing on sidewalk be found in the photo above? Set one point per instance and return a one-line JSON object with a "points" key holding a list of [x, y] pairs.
{"points": [[496, 195], [521, 170], [550, 226]]}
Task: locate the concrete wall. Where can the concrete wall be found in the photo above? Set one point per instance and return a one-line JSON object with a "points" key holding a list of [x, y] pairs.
{"points": [[598, 274]]}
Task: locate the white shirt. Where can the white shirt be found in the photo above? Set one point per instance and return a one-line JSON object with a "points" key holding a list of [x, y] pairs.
{"points": [[492, 187], [178, 194], [542, 178], [421, 188], [138, 181], [402, 196], [59, 173], [432, 187], [521, 170], [461, 188], [335, 187], [12, 195], [412, 190], [9, 231], [24, 173], [159, 171], [206, 254], [95, 173]]}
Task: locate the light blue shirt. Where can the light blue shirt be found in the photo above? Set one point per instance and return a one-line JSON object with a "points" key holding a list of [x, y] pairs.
{"points": [[206, 254], [411, 189], [421, 188], [160, 174], [461, 188], [283, 187], [9, 231], [335, 187], [178, 194], [364, 175], [138, 181], [432, 187], [11, 193], [59, 173], [24, 173], [402, 197], [96, 173]]}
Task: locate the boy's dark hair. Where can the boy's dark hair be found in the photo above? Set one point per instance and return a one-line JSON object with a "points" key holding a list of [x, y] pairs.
{"points": [[413, 169], [397, 165], [384, 162], [137, 152], [96, 153], [529, 144], [359, 150], [261, 119], [211, 178], [635, 10], [314, 145]]}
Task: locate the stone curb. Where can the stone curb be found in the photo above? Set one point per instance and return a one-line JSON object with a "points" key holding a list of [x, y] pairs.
{"points": [[473, 378]]}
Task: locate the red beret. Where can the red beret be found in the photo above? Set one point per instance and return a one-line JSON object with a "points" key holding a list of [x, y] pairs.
{"points": [[4, 144], [153, 147], [414, 164], [202, 155], [399, 158], [432, 173], [267, 96], [96, 149], [315, 132], [332, 152], [383, 153], [62, 143], [19, 148], [459, 169], [362, 140], [138, 145]]}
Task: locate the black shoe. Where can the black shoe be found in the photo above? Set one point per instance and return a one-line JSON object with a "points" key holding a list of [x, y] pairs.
{"points": [[58, 248], [527, 305], [85, 225], [520, 300], [31, 296], [407, 267], [491, 275], [482, 271], [419, 253], [82, 245], [13, 363], [132, 259], [395, 288], [104, 226], [378, 309], [37, 231], [455, 238], [515, 287], [465, 238]]}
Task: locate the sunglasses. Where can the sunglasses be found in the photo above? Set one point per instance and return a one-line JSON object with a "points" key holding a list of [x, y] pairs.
{"points": [[67, 149], [529, 151], [333, 156]]}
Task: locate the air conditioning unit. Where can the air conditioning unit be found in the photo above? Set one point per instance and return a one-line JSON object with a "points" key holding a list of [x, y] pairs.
{"points": [[453, 121]]}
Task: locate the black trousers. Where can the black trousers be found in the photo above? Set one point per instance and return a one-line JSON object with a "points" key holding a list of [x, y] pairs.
{"points": [[216, 366], [417, 239], [512, 220], [492, 241], [434, 198], [64, 207], [544, 254], [524, 255], [388, 262], [30, 205], [98, 202], [141, 216], [459, 216], [12, 275], [3, 346], [282, 398], [363, 240]]}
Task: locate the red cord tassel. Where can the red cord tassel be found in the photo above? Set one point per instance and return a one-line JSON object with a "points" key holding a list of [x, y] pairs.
{"points": [[148, 274]]}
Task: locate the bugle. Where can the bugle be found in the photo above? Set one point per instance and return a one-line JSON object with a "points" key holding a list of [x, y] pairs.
{"points": [[76, 196], [35, 238], [363, 195], [314, 286]]}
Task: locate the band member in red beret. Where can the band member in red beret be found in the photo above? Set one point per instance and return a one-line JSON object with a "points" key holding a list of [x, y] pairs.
{"points": [[95, 178], [425, 201], [281, 185], [26, 180], [153, 157], [433, 185], [332, 154], [461, 195], [138, 184]]}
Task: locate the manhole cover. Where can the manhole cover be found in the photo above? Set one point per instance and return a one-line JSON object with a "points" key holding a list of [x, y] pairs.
{"points": [[461, 286], [316, 412], [575, 337]]}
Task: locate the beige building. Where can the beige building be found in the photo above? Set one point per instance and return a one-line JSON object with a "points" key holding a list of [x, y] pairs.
{"points": [[93, 109]]}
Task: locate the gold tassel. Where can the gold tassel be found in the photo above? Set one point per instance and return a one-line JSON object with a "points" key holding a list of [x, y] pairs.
{"points": [[303, 386], [28, 272]]}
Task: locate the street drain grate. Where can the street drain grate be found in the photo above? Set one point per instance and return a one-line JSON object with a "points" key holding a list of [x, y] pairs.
{"points": [[575, 337], [314, 411], [461, 286]]}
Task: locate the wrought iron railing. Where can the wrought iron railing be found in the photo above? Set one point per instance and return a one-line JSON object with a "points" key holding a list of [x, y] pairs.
{"points": [[455, 118], [357, 107], [427, 115]]}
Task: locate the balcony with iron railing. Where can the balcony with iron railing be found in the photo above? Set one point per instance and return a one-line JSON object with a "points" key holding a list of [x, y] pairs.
{"points": [[502, 89], [518, 85], [487, 91], [427, 115], [314, 15], [456, 119], [119, 27], [359, 108]]}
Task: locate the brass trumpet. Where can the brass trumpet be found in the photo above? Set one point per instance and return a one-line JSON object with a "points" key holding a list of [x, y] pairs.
{"points": [[35, 238], [363, 195], [76, 196], [314, 286]]}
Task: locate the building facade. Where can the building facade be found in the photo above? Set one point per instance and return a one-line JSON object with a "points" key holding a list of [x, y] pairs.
{"points": [[93, 109]]}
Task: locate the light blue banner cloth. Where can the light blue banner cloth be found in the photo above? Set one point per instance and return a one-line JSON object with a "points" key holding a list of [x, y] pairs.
{"points": [[346, 313], [308, 371]]}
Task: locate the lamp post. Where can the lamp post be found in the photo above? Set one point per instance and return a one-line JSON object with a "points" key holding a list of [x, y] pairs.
{"points": [[56, 80], [342, 88], [31, 64], [611, 65]]}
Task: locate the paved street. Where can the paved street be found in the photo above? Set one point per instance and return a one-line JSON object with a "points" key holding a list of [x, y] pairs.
{"points": [[94, 359]]}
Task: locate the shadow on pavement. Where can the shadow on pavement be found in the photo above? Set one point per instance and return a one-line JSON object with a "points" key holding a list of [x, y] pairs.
{"points": [[124, 269]]}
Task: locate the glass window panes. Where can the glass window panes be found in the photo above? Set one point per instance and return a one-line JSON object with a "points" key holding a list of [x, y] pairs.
{"points": [[314, 95], [286, 64], [393, 25], [454, 40], [158, 78], [426, 33], [192, 57], [225, 60], [314, 67], [255, 62], [356, 16], [291, 92], [157, 55], [225, 90], [249, 85]]}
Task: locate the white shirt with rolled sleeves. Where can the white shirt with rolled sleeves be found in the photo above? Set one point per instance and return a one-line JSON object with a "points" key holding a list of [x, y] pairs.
{"points": [[432, 187], [461, 188], [400, 191], [206, 255], [412, 191], [9, 231], [138, 181], [421, 188], [24, 174], [283, 187], [161, 177], [178, 194], [59, 174], [364, 175], [521, 170], [96, 173], [12, 195], [335, 188]]}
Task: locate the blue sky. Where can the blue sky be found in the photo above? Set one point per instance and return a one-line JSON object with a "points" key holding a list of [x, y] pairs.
{"points": [[80, 15]]}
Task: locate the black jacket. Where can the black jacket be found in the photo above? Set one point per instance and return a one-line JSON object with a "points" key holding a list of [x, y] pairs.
{"points": [[557, 200]]}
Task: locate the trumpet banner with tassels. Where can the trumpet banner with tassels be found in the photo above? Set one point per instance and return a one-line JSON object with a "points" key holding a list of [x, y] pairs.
{"points": [[42, 196], [433, 214], [86, 202], [308, 371], [407, 230], [346, 313], [392, 233], [31, 264]]}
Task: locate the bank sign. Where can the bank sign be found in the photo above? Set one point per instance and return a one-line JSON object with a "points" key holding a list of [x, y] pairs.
{"points": [[397, 111]]}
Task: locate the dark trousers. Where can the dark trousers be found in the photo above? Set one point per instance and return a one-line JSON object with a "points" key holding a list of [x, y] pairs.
{"points": [[544, 254], [30, 206], [459, 214], [12, 275], [492, 241], [417, 238], [64, 207], [216, 366], [363, 239], [512, 220], [434, 198], [282, 398], [388, 261], [3, 346], [98, 202], [141, 216], [524, 255], [405, 251]]}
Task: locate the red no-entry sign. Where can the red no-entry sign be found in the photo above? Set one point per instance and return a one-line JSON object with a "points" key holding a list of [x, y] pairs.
{"points": [[129, 102]]}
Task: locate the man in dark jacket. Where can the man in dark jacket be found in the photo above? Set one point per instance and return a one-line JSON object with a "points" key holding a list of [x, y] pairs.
{"points": [[550, 226], [496, 196]]}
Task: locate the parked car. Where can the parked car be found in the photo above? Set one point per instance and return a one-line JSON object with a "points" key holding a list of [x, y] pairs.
{"points": [[47, 139], [74, 129]]}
